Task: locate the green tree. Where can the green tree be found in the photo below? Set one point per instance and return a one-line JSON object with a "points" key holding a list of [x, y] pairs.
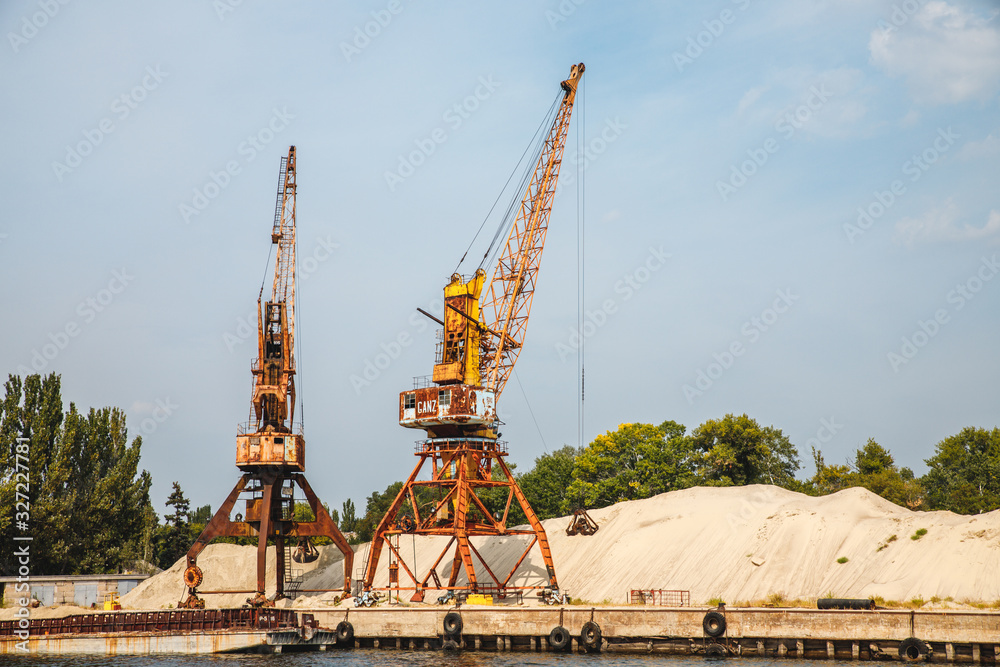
{"points": [[828, 478], [375, 508], [349, 517], [546, 483], [872, 468], [174, 538], [201, 515], [964, 473], [636, 461], [89, 504], [737, 451]]}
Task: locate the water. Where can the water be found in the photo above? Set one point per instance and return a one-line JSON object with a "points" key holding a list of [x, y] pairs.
{"points": [[380, 658]]}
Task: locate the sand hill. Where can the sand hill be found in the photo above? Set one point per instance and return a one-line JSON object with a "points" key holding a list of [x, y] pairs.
{"points": [[736, 543]]}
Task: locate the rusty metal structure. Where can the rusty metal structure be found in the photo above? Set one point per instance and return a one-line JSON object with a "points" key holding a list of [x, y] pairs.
{"points": [[270, 449], [478, 346], [581, 524]]}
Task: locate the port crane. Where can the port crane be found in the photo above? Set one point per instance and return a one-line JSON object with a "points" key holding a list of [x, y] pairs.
{"points": [[478, 346], [270, 448]]}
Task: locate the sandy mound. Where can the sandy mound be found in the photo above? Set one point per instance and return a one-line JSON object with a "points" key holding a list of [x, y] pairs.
{"points": [[231, 567], [736, 543], [61, 611]]}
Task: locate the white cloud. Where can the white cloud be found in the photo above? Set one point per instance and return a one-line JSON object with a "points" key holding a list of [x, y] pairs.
{"points": [[910, 119], [941, 225], [750, 97], [977, 149], [945, 53]]}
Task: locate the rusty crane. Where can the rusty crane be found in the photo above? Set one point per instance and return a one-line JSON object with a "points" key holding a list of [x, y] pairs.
{"points": [[270, 449], [477, 348]]}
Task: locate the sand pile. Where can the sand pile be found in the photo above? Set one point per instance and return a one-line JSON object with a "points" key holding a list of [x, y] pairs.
{"points": [[735, 543], [231, 567]]}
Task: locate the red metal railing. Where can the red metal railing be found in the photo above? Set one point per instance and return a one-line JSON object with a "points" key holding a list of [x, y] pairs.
{"points": [[158, 621]]}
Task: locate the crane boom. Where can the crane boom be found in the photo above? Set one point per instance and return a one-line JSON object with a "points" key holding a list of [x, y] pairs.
{"points": [[508, 303], [274, 370], [283, 235]]}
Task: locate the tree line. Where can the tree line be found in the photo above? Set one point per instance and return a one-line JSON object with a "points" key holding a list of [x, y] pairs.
{"points": [[89, 510], [642, 460]]}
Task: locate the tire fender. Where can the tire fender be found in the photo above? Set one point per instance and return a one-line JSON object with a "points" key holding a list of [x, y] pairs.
{"points": [[453, 623], [559, 638], [714, 624]]}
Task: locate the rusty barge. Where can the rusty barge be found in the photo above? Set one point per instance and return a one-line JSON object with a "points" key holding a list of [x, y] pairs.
{"points": [[949, 636]]}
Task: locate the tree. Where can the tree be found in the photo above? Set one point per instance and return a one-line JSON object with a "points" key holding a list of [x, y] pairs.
{"points": [[201, 515], [964, 473], [375, 508], [174, 538], [872, 468], [349, 517], [89, 504], [545, 484], [636, 461], [737, 451]]}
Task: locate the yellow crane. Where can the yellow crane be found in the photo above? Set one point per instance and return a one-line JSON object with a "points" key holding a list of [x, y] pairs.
{"points": [[479, 344]]}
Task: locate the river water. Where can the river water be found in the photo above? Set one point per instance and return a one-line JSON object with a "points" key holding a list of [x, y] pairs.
{"points": [[383, 658]]}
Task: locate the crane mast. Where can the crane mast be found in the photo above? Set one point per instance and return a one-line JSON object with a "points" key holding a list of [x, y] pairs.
{"points": [[270, 449], [478, 346]]}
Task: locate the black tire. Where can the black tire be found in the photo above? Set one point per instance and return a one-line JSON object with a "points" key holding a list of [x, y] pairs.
{"points": [[345, 632], [716, 651], [559, 638], [714, 624], [453, 623], [590, 636], [449, 645], [912, 649]]}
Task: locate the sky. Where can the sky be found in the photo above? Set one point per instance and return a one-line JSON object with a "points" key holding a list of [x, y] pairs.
{"points": [[789, 210]]}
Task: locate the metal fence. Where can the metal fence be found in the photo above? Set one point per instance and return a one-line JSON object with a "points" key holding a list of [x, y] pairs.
{"points": [[659, 597]]}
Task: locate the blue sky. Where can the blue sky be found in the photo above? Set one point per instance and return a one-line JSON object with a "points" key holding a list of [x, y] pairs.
{"points": [[790, 211]]}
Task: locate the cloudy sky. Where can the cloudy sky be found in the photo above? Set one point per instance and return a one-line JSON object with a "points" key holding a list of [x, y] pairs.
{"points": [[790, 211]]}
